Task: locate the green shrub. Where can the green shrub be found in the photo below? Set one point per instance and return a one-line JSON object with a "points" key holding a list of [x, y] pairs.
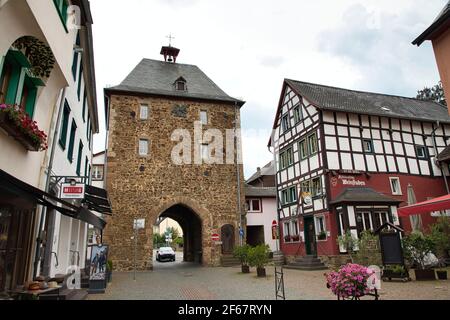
{"points": [[416, 247], [440, 234], [242, 253], [259, 256]]}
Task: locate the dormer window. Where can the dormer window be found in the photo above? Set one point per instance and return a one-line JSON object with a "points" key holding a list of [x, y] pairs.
{"points": [[180, 84]]}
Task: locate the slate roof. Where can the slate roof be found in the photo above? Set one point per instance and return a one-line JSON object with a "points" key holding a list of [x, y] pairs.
{"points": [[444, 155], [338, 99], [440, 24], [363, 195], [263, 192], [156, 77], [267, 170]]}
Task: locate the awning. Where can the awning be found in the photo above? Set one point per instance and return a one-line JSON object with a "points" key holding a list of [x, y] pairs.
{"points": [[363, 195], [16, 192], [437, 204], [97, 200]]}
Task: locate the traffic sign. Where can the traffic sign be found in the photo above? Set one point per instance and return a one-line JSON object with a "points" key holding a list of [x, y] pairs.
{"points": [[274, 223], [215, 237], [241, 232]]}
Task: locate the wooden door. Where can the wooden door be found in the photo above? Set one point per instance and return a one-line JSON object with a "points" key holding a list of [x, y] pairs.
{"points": [[227, 238], [310, 237]]}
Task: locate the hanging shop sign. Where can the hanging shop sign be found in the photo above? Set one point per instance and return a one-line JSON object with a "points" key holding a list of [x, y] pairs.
{"points": [[72, 191], [307, 198]]}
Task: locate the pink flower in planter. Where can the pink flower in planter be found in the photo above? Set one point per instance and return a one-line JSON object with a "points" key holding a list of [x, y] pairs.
{"points": [[350, 281]]}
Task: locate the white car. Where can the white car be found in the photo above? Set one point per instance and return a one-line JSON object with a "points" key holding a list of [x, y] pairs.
{"points": [[165, 254]]}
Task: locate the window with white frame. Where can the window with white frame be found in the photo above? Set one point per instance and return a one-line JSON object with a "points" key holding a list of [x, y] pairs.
{"points": [[321, 230], [287, 231], [297, 114], [143, 115], [289, 195], [203, 117], [285, 123], [97, 173], [368, 145], [316, 184], [253, 205], [395, 186], [294, 228], [421, 152], [143, 147]]}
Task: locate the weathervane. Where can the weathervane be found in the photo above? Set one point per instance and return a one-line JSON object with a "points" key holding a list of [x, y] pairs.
{"points": [[170, 37]]}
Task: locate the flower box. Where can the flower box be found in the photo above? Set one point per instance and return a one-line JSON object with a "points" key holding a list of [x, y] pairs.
{"points": [[295, 238], [18, 125]]}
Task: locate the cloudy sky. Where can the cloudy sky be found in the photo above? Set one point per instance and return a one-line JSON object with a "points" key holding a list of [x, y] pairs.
{"points": [[249, 47]]}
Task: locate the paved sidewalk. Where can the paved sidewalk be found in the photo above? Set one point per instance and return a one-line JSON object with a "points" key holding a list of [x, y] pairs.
{"points": [[181, 281]]}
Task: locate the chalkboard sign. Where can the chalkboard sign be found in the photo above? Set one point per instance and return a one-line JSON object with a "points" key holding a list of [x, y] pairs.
{"points": [[391, 248]]}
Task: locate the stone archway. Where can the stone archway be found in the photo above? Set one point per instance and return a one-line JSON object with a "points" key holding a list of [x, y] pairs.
{"points": [[191, 225], [194, 219]]}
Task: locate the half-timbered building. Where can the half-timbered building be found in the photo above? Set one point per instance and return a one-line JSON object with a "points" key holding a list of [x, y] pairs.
{"points": [[346, 159]]}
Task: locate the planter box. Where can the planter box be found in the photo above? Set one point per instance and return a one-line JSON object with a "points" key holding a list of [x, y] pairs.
{"points": [[14, 131], [442, 275], [261, 272], [424, 275], [389, 274], [245, 269]]}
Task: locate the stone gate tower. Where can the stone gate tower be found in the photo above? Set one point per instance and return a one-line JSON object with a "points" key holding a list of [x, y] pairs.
{"points": [[159, 104]]}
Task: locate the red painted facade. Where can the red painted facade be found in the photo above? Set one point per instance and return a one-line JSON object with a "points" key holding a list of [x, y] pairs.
{"points": [[424, 188]]}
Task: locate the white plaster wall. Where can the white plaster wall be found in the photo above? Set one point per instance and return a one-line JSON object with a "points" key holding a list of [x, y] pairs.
{"points": [[265, 219]]}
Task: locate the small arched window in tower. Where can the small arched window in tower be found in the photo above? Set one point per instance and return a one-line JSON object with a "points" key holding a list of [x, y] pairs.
{"points": [[180, 84]]}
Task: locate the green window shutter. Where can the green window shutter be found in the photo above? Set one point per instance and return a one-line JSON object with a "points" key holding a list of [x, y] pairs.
{"points": [[73, 130], [75, 65], [61, 7], [11, 92], [84, 105], [64, 125], [80, 74], [31, 101], [80, 154], [86, 163], [88, 127]]}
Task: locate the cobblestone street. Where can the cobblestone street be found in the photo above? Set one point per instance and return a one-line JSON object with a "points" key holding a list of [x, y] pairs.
{"points": [[181, 281]]}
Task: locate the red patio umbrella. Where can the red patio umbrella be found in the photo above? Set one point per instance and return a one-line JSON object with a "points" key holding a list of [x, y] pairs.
{"points": [[436, 204]]}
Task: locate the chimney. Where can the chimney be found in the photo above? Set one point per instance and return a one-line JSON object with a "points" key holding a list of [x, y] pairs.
{"points": [[258, 170]]}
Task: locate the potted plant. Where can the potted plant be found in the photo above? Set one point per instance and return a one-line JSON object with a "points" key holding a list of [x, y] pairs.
{"points": [[109, 268], [15, 121], [440, 233], [241, 253], [322, 236], [417, 247], [351, 282], [259, 258], [395, 271], [287, 238], [296, 238]]}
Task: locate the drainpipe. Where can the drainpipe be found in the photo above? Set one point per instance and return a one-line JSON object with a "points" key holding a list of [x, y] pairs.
{"points": [[238, 171], [433, 134], [44, 212]]}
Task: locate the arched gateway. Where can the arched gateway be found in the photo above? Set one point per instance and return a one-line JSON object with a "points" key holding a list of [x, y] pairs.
{"points": [[193, 220]]}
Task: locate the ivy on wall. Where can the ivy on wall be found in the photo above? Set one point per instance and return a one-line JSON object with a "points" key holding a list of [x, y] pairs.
{"points": [[38, 54]]}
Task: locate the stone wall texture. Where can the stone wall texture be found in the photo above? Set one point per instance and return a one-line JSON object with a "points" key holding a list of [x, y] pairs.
{"points": [[145, 187]]}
